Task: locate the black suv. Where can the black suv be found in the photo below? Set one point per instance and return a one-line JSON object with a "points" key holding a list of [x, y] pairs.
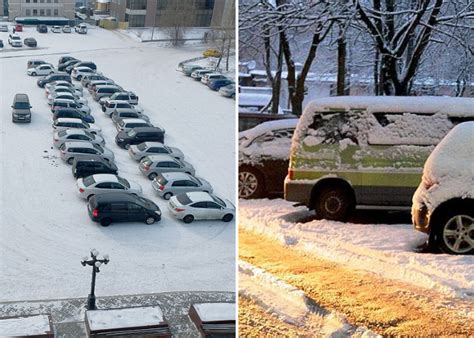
{"points": [[71, 62], [42, 28], [122, 207], [53, 77], [73, 113], [139, 135], [88, 64], [86, 165]]}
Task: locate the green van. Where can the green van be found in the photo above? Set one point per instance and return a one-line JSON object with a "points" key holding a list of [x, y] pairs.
{"points": [[366, 152]]}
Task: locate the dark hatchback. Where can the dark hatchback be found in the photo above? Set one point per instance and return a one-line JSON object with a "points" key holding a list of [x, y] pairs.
{"points": [[30, 42], [122, 207], [139, 135], [86, 165], [42, 29], [217, 84], [53, 77], [71, 62], [72, 113], [88, 64]]}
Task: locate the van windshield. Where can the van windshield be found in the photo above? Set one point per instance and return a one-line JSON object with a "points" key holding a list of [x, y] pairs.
{"points": [[22, 105]]}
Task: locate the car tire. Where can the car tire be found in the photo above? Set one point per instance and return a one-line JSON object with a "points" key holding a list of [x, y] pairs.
{"points": [[188, 219], [90, 196], [167, 196], [70, 160], [79, 78], [150, 220], [334, 203], [152, 176], [105, 222], [33, 73], [228, 217], [450, 230], [251, 183]]}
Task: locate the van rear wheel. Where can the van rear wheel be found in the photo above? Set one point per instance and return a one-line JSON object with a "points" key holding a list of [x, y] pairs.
{"points": [[105, 222], [188, 219], [334, 203], [150, 220]]}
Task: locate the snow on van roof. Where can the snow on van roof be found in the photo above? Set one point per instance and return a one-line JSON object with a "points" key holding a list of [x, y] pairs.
{"points": [[422, 104], [257, 99]]}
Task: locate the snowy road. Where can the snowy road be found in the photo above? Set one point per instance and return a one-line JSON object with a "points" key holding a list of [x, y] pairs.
{"points": [[44, 226]]}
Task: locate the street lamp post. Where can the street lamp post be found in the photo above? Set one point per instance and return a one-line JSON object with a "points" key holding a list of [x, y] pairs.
{"points": [[95, 262]]}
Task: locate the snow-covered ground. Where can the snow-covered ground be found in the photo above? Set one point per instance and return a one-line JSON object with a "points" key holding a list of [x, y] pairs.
{"points": [[385, 249], [44, 226]]}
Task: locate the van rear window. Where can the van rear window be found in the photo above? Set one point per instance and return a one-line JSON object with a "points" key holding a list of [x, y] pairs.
{"points": [[183, 199]]}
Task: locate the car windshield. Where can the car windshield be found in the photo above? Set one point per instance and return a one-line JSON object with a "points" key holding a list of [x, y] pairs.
{"points": [[62, 133], [123, 182], [131, 133], [22, 105], [183, 199], [88, 180], [16, 38], [62, 147], [218, 200], [149, 204], [142, 146]]}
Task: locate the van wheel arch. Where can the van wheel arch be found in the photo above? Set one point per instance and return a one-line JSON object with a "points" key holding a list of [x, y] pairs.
{"points": [[337, 187]]}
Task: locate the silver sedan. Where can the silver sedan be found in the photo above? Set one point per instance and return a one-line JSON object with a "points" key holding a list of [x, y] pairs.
{"points": [[153, 165], [170, 184], [103, 183], [73, 134], [140, 151]]}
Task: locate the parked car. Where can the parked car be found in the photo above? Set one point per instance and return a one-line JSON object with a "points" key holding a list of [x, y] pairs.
{"points": [[50, 86], [1, 43], [140, 151], [44, 69], [65, 95], [66, 103], [42, 29], [228, 91], [66, 29], [53, 77], [14, 40], [35, 63], [366, 152], [111, 106], [192, 206], [128, 114], [78, 72], [64, 123], [264, 153], [3, 28], [206, 78], [104, 91], [122, 207], [21, 108], [71, 62], [97, 83], [175, 183], [86, 165], [63, 89], [56, 29], [30, 42], [128, 124], [76, 135], [73, 113], [68, 150], [153, 165], [18, 27], [129, 97], [139, 135], [443, 204], [212, 52], [81, 28], [198, 74], [105, 183], [88, 64], [86, 79], [188, 69], [218, 83], [65, 58]]}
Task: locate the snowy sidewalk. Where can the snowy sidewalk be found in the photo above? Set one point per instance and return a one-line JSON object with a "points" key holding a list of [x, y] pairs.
{"points": [[68, 314]]}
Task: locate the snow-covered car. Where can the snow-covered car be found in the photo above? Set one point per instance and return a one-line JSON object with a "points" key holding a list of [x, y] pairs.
{"points": [[263, 158], [106, 183], [63, 89], [128, 114], [92, 85], [140, 151], [171, 184], [192, 206], [65, 95], [76, 135], [228, 91], [65, 123], [3, 28], [443, 204], [153, 165], [67, 103], [56, 29], [111, 106], [127, 124], [81, 28], [14, 40], [67, 29], [206, 78], [199, 73], [69, 150], [48, 86], [129, 97], [78, 72], [86, 79], [42, 70], [30, 42]]}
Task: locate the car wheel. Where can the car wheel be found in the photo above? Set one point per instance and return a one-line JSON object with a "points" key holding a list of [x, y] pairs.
{"points": [[334, 203], [167, 196], [90, 196], [188, 219], [33, 73], [105, 222], [150, 220], [251, 184], [152, 176], [455, 232], [70, 160], [227, 217], [79, 78]]}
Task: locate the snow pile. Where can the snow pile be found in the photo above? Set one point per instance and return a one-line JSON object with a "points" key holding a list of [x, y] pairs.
{"points": [[124, 318], [212, 312], [25, 326], [449, 171], [385, 249]]}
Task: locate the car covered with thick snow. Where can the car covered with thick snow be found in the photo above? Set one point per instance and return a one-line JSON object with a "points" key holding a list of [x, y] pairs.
{"points": [[443, 205], [264, 153]]}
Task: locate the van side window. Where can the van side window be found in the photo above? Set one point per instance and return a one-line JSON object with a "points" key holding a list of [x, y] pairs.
{"points": [[333, 127]]}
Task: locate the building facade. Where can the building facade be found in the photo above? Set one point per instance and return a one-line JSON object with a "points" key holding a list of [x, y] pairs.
{"points": [[50, 8], [169, 13]]}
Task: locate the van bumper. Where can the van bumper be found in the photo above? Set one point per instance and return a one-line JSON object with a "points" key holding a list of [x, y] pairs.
{"points": [[297, 191]]}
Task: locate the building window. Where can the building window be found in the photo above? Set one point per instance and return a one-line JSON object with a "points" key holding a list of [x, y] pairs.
{"points": [[27, 1], [35, 1], [56, 12], [48, 1], [55, 1], [161, 4], [48, 12], [135, 20], [35, 12], [28, 12], [42, 1], [41, 12], [136, 4]]}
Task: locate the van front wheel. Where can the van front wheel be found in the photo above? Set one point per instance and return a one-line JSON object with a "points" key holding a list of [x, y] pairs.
{"points": [[334, 203]]}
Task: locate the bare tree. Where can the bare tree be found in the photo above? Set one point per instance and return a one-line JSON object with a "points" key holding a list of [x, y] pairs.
{"points": [[178, 15]]}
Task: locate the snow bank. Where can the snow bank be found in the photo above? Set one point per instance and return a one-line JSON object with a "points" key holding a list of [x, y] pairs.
{"points": [[124, 318], [25, 326], [385, 249]]}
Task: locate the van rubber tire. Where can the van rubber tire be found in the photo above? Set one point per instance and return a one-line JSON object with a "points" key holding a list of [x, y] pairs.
{"points": [[152, 176], [150, 220], [449, 219], [228, 217], [251, 183], [167, 196], [105, 222], [334, 203], [70, 160], [188, 219]]}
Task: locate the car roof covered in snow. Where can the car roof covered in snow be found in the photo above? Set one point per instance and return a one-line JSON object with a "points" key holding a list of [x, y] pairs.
{"points": [[264, 127], [199, 196], [176, 175], [99, 178]]}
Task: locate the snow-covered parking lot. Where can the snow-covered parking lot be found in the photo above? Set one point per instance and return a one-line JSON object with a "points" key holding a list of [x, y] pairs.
{"points": [[44, 226], [389, 250]]}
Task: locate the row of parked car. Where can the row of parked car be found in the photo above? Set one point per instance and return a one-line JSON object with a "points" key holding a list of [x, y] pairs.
{"points": [[210, 77], [112, 198]]}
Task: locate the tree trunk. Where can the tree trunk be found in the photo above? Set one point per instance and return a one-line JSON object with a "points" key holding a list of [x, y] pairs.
{"points": [[341, 67]]}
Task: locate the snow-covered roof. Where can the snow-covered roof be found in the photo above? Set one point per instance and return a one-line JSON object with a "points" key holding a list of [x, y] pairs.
{"points": [[421, 104], [124, 318], [198, 196], [264, 127], [257, 99], [25, 326], [212, 312], [99, 178]]}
